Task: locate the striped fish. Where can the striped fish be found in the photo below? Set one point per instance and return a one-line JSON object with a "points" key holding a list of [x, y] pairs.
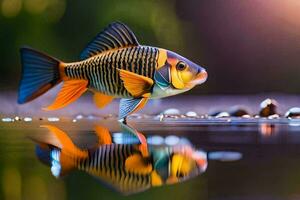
{"points": [[113, 65], [124, 167]]}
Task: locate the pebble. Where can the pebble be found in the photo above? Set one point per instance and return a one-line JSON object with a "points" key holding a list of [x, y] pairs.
{"points": [[222, 114], [27, 119], [293, 113], [268, 107], [191, 114], [171, 111], [238, 112]]}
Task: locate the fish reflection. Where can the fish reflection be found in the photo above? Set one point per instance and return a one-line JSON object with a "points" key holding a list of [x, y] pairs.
{"points": [[127, 163]]}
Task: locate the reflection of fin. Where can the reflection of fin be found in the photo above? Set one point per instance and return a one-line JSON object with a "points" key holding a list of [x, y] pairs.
{"points": [[142, 139], [126, 129], [116, 35], [70, 92], [103, 135], [181, 164], [101, 100], [42, 151], [161, 159], [63, 159], [136, 163], [39, 74], [137, 85], [172, 180], [128, 106], [67, 146], [155, 179]]}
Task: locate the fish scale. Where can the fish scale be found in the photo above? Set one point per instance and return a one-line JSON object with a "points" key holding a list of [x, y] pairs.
{"points": [[101, 70]]}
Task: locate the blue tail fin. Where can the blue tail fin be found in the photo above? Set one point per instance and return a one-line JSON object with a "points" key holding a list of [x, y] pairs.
{"points": [[39, 73]]}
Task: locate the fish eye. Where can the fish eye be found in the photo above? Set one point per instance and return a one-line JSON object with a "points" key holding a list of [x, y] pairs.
{"points": [[181, 66]]}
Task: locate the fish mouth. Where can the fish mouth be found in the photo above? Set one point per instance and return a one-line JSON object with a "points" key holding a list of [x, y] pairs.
{"points": [[201, 77]]}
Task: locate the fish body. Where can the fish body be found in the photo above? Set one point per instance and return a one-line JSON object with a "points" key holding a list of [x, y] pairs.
{"points": [[124, 167], [102, 70], [113, 65]]}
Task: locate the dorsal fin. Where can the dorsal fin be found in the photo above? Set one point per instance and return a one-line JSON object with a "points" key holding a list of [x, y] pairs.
{"points": [[115, 35]]}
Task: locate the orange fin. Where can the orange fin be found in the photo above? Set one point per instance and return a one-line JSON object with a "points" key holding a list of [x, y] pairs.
{"points": [[143, 146], [70, 92], [155, 179], [67, 146], [103, 135], [101, 100], [136, 163], [137, 85]]}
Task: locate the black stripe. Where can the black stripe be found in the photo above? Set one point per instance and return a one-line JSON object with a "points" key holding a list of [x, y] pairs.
{"points": [[101, 72], [105, 71]]}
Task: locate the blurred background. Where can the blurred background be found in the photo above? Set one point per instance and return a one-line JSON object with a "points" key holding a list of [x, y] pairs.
{"points": [[247, 47]]}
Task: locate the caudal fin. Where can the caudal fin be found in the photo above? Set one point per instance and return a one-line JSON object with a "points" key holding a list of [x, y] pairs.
{"points": [[61, 158], [40, 72]]}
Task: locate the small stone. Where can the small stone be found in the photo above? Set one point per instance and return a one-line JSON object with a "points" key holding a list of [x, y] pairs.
{"points": [[191, 114], [222, 114], [17, 118], [293, 113], [213, 114], [238, 112], [268, 107], [246, 116], [7, 119], [78, 117], [171, 111], [27, 119], [275, 116], [51, 119]]}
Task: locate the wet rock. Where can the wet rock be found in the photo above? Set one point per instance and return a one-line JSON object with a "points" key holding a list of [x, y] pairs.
{"points": [[238, 112], [293, 113], [171, 111], [268, 107]]}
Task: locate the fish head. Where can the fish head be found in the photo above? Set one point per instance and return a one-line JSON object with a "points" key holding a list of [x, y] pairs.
{"points": [[186, 163], [180, 72]]}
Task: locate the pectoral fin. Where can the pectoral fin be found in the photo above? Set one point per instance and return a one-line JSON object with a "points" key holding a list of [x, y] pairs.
{"points": [[101, 100], [128, 106], [70, 92], [136, 163], [137, 85]]}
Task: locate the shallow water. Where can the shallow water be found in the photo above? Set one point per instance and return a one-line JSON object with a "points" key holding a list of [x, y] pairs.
{"points": [[247, 159]]}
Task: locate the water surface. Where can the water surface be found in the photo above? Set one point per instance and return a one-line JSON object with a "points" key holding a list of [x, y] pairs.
{"points": [[246, 160]]}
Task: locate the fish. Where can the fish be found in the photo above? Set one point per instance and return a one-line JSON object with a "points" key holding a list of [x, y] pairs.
{"points": [[128, 167], [113, 65]]}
